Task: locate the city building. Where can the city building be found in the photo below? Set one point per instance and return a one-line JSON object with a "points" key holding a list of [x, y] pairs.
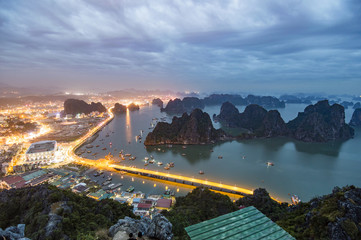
{"points": [[41, 152]]}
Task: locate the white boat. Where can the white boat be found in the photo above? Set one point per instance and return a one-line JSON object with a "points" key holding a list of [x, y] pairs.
{"points": [[270, 164], [146, 158], [160, 163], [295, 199], [201, 172]]}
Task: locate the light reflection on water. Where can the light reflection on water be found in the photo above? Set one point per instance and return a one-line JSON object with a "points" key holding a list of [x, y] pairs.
{"points": [[305, 169]]}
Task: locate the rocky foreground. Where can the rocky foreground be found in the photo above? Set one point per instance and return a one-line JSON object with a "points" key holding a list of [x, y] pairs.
{"points": [[195, 128]]}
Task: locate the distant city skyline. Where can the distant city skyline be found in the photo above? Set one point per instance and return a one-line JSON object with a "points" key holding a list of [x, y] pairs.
{"points": [[259, 46]]}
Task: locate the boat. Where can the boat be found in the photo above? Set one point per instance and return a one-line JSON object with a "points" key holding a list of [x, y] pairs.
{"points": [[160, 163], [107, 135], [130, 189], [109, 178], [104, 149], [270, 164], [109, 156], [295, 199], [97, 146], [146, 164], [201, 172], [151, 161], [171, 164], [211, 150], [184, 147], [94, 154], [115, 186], [146, 158], [183, 154], [96, 174], [243, 157], [166, 167], [220, 157], [89, 146], [128, 155], [106, 183], [132, 158], [89, 151]]}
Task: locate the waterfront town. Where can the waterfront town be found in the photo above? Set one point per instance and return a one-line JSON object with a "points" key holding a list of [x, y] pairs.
{"points": [[35, 145]]}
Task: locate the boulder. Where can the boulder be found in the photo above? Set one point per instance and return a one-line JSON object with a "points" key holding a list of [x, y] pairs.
{"points": [[159, 228], [13, 233]]}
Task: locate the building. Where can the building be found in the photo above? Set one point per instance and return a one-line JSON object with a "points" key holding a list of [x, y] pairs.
{"points": [[247, 223], [41, 152], [80, 188], [12, 181], [163, 204]]}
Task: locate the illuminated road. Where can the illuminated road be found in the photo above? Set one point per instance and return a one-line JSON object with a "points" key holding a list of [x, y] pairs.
{"points": [[102, 163]]}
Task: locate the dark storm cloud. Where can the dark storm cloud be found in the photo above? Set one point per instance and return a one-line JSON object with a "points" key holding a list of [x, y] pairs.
{"points": [[206, 45]]}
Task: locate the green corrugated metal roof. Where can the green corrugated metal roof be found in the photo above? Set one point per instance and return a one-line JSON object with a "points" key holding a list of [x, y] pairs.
{"points": [[34, 175], [247, 223]]}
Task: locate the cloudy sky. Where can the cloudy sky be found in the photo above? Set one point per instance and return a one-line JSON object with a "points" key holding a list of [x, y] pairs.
{"points": [[249, 46]]}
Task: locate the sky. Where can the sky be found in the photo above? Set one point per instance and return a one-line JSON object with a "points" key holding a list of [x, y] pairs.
{"points": [[254, 46]]}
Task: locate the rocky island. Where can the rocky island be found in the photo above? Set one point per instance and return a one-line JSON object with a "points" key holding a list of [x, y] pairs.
{"points": [[158, 102], [133, 107], [321, 123], [264, 101], [75, 106], [255, 121], [119, 108], [318, 123], [356, 118], [178, 106], [195, 128]]}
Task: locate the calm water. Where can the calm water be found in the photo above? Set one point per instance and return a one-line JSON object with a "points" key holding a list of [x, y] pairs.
{"points": [[305, 169]]}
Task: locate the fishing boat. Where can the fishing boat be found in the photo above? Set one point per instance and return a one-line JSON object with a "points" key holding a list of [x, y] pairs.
{"points": [[160, 163], [128, 155], [146, 158], [151, 161], [97, 146], [243, 157], [104, 148], [146, 164], [109, 178], [132, 158], [201, 172], [96, 174], [106, 183], [171, 164], [270, 164], [183, 154], [89, 146], [130, 189], [167, 167], [89, 151], [184, 147], [220, 157]]}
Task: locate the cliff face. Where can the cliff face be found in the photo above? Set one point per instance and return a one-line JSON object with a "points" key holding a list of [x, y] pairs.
{"points": [[119, 108], [75, 106], [356, 118], [321, 123], [158, 102], [178, 106], [195, 128], [255, 119]]}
